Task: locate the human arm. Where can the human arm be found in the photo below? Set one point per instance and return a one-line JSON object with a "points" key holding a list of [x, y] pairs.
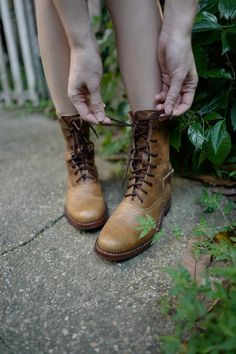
{"points": [[85, 64], [179, 76]]}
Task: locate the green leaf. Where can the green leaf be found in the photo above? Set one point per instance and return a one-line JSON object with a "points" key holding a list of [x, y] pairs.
{"points": [[209, 5], [218, 101], [217, 134], [206, 38], [233, 116], [227, 9], [206, 21], [201, 60], [196, 134], [225, 42], [202, 157], [219, 145], [175, 138], [219, 73], [212, 116]]}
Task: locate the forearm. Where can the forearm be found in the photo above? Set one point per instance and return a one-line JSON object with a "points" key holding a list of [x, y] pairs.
{"points": [[179, 16], [74, 16]]}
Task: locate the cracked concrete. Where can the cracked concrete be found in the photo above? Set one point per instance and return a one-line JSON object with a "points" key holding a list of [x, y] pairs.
{"points": [[42, 230], [56, 295]]}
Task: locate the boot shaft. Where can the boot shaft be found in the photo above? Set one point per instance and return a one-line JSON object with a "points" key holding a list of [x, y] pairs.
{"points": [[149, 158], [79, 153]]}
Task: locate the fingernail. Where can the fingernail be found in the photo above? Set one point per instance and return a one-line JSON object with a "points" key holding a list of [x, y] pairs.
{"points": [[100, 116]]}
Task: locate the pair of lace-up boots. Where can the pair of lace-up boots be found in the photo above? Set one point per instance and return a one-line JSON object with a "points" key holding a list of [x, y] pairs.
{"points": [[148, 191]]}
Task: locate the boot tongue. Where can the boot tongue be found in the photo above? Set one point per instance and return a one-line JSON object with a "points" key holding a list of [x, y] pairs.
{"points": [[67, 120], [142, 115]]}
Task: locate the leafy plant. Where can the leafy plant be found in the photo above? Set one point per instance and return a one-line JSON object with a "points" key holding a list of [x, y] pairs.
{"points": [[204, 315], [205, 135], [203, 139], [147, 224]]}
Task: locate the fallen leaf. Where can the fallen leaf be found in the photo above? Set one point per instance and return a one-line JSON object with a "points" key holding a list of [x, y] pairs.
{"points": [[195, 264], [214, 181], [224, 191]]}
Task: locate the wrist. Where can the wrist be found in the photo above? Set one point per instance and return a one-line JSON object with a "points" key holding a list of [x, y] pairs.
{"points": [[80, 37], [179, 17], [176, 28]]}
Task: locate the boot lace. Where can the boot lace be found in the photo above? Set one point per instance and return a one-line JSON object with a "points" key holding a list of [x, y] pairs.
{"points": [[136, 161], [83, 152], [140, 166]]}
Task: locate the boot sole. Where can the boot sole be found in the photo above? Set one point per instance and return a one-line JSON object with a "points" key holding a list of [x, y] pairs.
{"points": [[132, 253], [86, 226]]}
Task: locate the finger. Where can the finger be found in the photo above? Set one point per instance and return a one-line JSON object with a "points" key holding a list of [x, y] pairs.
{"points": [[80, 102], [160, 107], [97, 106], [173, 94], [161, 96], [106, 121], [186, 103], [187, 97]]}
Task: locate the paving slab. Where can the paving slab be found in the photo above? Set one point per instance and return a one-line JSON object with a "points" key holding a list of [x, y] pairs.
{"points": [[56, 295]]}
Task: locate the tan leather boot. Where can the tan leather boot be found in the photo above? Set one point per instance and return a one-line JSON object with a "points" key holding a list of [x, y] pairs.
{"points": [[85, 207], [148, 193]]}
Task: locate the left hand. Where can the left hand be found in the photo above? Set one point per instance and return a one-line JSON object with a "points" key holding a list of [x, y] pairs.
{"points": [[179, 76]]}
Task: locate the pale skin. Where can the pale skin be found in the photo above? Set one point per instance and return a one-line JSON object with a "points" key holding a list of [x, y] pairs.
{"points": [[73, 66]]}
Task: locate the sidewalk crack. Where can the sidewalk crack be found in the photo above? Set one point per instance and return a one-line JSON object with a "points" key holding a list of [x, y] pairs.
{"points": [[36, 235]]}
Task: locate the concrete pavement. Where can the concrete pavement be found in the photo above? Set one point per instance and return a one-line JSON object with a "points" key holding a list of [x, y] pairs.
{"points": [[56, 295]]}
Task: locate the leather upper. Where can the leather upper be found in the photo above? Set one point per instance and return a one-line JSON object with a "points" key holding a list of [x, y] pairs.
{"points": [[149, 187]]}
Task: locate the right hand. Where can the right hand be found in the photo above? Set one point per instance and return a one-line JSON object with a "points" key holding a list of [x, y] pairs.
{"points": [[179, 75], [84, 84]]}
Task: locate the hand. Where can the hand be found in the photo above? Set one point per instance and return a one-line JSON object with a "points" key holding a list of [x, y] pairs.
{"points": [[84, 84], [179, 76]]}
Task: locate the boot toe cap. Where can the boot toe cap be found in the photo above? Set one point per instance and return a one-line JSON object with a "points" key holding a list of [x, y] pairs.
{"points": [[115, 242]]}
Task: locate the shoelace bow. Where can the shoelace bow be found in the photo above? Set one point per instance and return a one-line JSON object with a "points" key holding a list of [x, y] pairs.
{"points": [[82, 156]]}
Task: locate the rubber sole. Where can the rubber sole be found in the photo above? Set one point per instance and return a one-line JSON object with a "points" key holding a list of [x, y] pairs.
{"points": [[86, 226], [136, 251]]}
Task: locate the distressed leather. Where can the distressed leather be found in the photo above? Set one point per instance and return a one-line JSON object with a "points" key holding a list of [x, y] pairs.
{"points": [[84, 203], [148, 192]]}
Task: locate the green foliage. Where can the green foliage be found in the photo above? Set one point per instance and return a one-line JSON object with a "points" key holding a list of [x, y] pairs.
{"points": [[204, 138], [199, 330], [210, 201], [211, 123], [204, 315], [145, 225]]}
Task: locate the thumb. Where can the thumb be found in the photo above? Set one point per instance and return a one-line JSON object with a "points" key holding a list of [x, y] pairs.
{"points": [[173, 93]]}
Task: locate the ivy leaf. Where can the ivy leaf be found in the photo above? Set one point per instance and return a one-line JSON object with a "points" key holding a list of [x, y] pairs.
{"points": [[219, 73], [206, 21], [227, 9], [196, 134], [233, 116]]}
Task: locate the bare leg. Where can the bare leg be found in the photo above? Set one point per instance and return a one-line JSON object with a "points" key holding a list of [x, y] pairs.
{"points": [[55, 53], [137, 26]]}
